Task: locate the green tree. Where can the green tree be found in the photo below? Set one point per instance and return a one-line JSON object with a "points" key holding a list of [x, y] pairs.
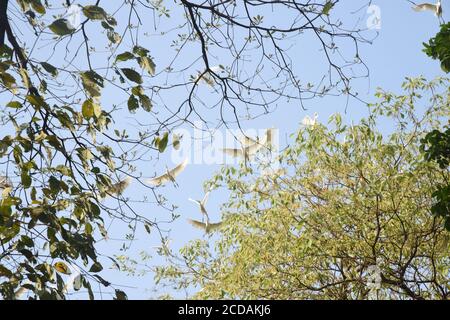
{"points": [[63, 148], [436, 144], [439, 47], [346, 217]]}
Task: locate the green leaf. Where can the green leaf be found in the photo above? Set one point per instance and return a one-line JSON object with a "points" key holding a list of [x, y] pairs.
{"points": [[327, 7], [14, 104], [96, 267], [146, 103], [140, 51], [37, 6], [25, 179], [125, 56], [132, 75], [87, 109], [94, 12], [49, 68], [162, 143], [133, 104], [147, 64], [36, 101], [92, 82], [120, 295], [113, 36], [61, 27]]}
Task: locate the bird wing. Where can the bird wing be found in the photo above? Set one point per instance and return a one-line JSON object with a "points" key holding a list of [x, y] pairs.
{"points": [[424, 7], [251, 150], [235, 153], [247, 141], [215, 226], [157, 181], [178, 169], [195, 201], [197, 224], [205, 198], [120, 187]]}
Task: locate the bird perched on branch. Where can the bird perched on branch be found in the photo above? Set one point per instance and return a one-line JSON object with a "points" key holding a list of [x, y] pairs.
{"points": [[170, 175]]}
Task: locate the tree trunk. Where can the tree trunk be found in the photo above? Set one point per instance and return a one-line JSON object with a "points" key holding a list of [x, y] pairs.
{"points": [[3, 20]]}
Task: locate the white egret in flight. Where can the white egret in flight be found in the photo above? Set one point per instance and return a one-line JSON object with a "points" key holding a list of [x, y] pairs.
{"points": [[436, 8], [202, 204], [170, 175], [208, 227], [310, 122], [244, 152]]}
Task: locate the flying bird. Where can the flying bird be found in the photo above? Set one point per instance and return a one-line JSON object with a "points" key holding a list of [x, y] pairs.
{"points": [[436, 8], [208, 227], [170, 175], [119, 187], [115, 189], [247, 141], [202, 204], [310, 122], [244, 152]]}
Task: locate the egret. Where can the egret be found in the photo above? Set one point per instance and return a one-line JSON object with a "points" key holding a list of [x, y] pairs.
{"points": [[202, 204], [244, 152], [170, 175], [310, 122], [436, 8], [208, 227], [115, 189], [119, 187], [247, 141]]}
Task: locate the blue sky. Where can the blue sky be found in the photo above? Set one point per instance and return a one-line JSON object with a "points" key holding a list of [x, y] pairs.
{"points": [[394, 54]]}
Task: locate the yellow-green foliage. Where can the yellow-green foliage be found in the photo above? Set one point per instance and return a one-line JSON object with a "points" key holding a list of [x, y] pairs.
{"points": [[352, 208]]}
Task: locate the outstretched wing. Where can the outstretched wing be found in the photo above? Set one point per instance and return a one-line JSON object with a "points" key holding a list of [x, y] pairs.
{"points": [[214, 226], [425, 7], [178, 169], [119, 188], [197, 224], [157, 181], [251, 150], [205, 198], [247, 141]]}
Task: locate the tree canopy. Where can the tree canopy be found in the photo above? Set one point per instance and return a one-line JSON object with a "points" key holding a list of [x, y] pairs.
{"points": [[346, 214], [63, 145]]}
